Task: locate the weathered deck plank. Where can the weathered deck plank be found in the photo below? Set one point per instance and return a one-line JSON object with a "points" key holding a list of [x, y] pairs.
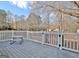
{"points": [[31, 49]]}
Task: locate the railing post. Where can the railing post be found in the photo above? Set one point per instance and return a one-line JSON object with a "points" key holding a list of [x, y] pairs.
{"points": [[12, 33], [27, 35], [43, 37], [60, 40], [49, 37]]}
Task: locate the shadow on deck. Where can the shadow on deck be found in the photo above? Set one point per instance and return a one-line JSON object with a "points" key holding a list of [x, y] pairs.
{"points": [[30, 49]]}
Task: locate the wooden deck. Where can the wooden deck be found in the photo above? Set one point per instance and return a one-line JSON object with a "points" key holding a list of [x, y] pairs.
{"points": [[30, 49]]}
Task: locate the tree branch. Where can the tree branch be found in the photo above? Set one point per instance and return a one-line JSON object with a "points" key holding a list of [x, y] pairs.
{"points": [[65, 11], [76, 4]]}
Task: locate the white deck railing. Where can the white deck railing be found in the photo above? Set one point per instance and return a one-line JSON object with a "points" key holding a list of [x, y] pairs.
{"points": [[7, 35], [71, 41], [68, 41], [49, 38]]}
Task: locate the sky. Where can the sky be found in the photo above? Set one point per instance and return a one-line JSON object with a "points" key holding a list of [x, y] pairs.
{"points": [[20, 7], [16, 7]]}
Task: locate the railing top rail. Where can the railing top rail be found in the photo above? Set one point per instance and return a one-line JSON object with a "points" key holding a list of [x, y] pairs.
{"points": [[43, 32], [70, 33], [37, 32], [13, 31]]}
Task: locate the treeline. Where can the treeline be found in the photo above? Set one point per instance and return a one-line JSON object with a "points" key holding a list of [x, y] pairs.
{"points": [[35, 22], [9, 21]]}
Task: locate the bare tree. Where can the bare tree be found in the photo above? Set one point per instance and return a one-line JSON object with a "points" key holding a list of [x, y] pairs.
{"points": [[61, 8], [55, 6]]}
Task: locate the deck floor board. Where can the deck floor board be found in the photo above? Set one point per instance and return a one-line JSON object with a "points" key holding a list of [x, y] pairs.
{"points": [[30, 49]]}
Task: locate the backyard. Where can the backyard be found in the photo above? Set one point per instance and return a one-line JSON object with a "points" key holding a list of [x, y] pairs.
{"points": [[39, 29]]}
